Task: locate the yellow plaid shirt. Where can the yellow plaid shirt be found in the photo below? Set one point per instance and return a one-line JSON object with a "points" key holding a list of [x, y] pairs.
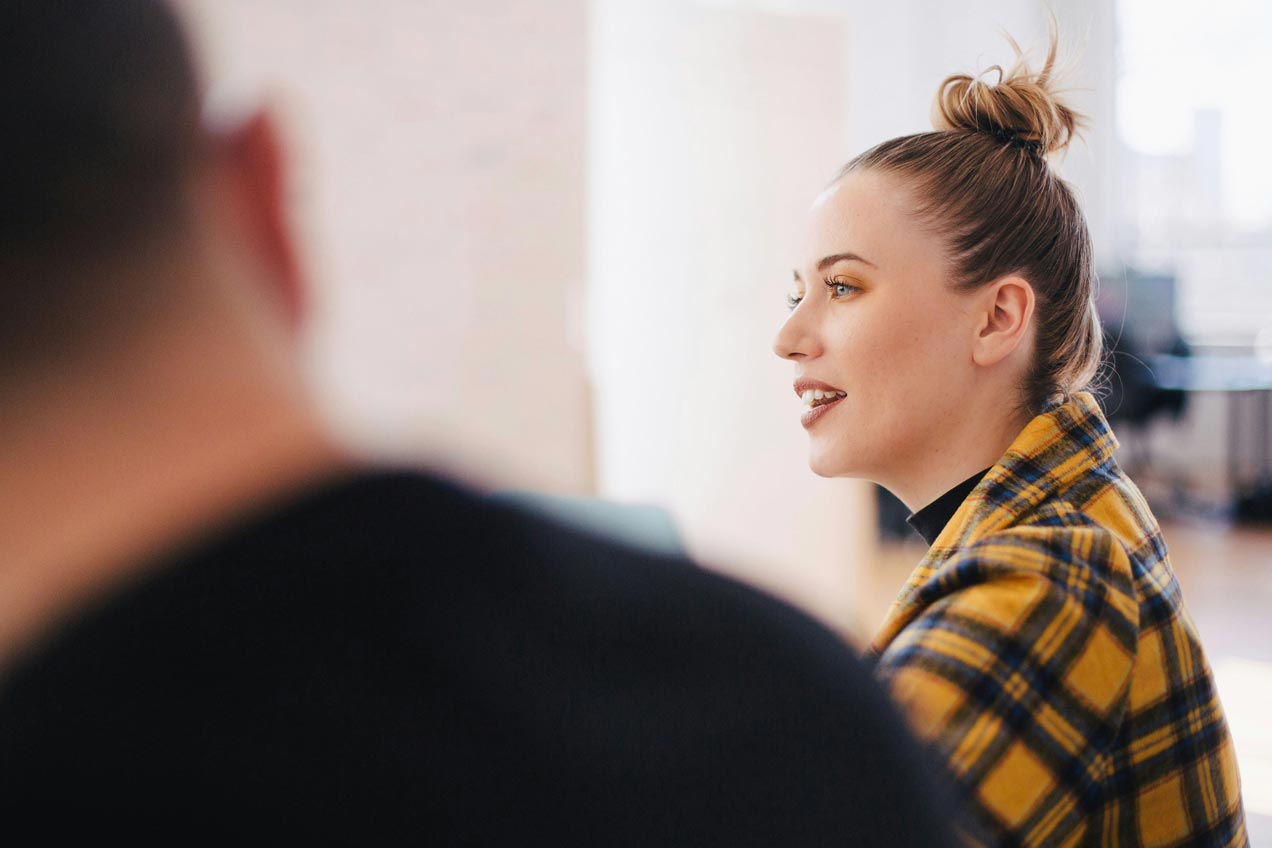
{"points": [[1043, 648]]}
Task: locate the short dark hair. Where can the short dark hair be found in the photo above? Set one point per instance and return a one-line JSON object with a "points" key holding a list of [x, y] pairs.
{"points": [[101, 113], [102, 105]]}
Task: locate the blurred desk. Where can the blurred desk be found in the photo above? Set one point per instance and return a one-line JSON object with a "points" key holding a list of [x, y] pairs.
{"points": [[1247, 382]]}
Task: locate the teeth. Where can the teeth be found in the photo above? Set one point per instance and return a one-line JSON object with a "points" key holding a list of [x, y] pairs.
{"points": [[811, 396]]}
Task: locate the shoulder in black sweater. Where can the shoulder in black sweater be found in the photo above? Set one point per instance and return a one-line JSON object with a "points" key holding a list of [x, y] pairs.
{"points": [[393, 658]]}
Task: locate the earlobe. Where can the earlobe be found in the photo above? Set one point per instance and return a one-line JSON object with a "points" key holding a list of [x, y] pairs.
{"points": [[1007, 313]]}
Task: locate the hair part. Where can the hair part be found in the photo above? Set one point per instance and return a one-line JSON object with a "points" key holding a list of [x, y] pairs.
{"points": [[985, 185]]}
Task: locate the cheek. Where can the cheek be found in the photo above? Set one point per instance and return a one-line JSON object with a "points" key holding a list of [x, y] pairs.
{"points": [[901, 365], [890, 351]]}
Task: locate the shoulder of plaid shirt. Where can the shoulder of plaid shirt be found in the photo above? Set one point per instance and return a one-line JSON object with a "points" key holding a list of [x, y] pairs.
{"points": [[1042, 647]]}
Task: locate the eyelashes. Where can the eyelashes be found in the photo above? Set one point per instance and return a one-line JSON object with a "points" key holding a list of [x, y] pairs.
{"points": [[838, 290]]}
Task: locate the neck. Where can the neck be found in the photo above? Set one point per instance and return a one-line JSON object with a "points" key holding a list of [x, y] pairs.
{"points": [[959, 449], [120, 462]]}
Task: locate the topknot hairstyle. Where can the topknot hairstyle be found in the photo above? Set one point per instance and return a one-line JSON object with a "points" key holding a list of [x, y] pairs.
{"points": [[1021, 106], [984, 182]]}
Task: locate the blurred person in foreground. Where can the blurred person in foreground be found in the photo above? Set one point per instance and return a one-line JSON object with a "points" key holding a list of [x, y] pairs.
{"points": [[214, 623], [944, 334]]}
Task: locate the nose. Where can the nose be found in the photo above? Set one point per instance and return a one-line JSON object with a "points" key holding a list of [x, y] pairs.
{"points": [[795, 340]]}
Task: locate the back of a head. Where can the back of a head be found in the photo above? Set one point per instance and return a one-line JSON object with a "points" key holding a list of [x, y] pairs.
{"points": [[101, 110], [984, 181]]}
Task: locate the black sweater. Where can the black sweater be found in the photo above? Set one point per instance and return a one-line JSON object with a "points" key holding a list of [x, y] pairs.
{"points": [[392, 659], [931, 520]]}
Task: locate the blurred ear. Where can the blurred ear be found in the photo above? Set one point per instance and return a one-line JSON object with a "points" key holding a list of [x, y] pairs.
{"points": [[251, 161], [1005, 309]]}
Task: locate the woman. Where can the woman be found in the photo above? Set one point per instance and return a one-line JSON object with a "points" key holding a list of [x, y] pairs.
{"points": [[943, 330]]}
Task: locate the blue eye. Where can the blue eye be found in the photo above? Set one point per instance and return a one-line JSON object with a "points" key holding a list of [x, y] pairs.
{"points": [[792, 301], [839, 288]]}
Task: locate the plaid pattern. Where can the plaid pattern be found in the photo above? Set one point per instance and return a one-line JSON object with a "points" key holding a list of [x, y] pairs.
{"points": [[1043, 648]]}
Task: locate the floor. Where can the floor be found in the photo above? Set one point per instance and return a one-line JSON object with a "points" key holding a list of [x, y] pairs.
{"points": [[1226, 575]]}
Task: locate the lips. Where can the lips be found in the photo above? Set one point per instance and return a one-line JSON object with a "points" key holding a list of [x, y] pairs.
{"points": [[813, 414], [818, 397]]}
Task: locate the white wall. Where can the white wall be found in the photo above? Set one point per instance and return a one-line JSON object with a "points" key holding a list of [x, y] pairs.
{"points": [[440, 151], [712, 130]]}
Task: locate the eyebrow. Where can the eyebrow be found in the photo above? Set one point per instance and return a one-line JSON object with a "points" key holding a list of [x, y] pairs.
{"points": [[826, 261]]}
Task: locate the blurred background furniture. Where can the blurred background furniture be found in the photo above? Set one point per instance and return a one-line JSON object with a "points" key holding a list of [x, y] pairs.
{"points": [[1246, 383], [639, 525], [1153, 373]]}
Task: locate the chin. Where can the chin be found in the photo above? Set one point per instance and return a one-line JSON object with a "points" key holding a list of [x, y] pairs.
{"points": [[831, 466]]}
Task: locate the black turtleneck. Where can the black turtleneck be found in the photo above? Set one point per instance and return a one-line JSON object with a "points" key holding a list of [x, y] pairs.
{"points": [[931, 520]]}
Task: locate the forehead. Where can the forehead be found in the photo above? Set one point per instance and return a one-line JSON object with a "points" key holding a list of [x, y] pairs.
{"points": [[870, 214]]}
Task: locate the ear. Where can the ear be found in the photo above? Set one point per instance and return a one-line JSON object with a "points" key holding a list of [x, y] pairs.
{"points": [[253, 161], [1006, 309]]}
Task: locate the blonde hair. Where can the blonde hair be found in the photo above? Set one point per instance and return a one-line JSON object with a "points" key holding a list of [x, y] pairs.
{"points": [[1022, 101], [985, 184]]}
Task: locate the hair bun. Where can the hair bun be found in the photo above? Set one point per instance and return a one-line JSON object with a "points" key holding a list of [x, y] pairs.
{"points": [[1022, 108]]}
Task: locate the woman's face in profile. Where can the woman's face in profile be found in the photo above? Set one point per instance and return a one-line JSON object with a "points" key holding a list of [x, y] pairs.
{"points": [[878, 330]]}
